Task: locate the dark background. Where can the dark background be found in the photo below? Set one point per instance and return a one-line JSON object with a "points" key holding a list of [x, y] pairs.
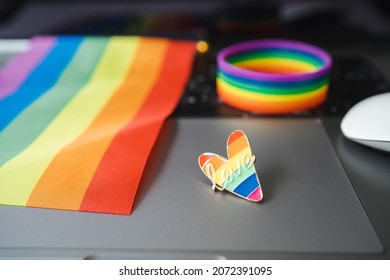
{"points": [[201, 18]]}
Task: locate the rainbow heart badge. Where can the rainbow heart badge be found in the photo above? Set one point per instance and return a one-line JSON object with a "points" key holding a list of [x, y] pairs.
{"points": [[237, 173]]}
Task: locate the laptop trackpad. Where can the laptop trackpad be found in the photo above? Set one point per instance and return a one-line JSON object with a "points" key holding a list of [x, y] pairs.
{"points": [[309, 204]]}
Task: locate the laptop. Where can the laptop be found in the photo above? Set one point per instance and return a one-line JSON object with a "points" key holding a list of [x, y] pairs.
{"points": [[316, 198]]}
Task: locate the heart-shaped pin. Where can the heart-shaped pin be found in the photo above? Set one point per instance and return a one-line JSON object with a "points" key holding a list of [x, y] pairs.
{"points": [[237, 174]]}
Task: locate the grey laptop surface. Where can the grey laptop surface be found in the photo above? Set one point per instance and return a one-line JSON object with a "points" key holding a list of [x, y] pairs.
{"points": [[309, 204]]}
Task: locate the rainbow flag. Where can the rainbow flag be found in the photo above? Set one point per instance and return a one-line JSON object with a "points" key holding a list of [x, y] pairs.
{"points": [[79, 116]]}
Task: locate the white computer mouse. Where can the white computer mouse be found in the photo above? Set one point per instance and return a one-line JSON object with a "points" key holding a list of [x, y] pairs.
{"points": [[368, 122]]}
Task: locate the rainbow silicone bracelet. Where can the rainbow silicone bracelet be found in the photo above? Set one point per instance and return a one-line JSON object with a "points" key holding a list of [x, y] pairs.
{"points": [[273, 76]]}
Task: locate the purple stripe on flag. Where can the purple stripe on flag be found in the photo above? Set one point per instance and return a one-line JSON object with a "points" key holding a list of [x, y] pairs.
{"points": [[13, 74]]}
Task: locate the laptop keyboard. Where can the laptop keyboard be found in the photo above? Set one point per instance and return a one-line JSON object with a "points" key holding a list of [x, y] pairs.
{"points": [[353, 78]]}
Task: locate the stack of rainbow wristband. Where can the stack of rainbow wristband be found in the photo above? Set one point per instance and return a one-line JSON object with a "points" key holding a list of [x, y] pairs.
{"points": [[273, 76]]}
